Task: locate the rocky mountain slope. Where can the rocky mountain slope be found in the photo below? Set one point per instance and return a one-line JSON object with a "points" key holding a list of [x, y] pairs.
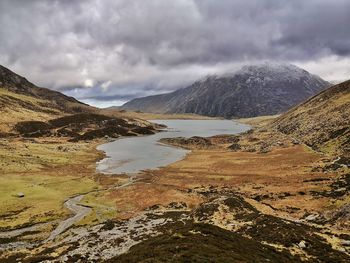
{"points": [[255, 90], [322, 122]]}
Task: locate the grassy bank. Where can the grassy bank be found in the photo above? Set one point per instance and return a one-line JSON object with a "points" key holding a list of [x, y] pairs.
{"points": [[46, 173]]}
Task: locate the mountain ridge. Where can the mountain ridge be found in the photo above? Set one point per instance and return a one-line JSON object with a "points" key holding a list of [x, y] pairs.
{"points": [[254, 90], [21, 100], [33, 112], [13, 82]]}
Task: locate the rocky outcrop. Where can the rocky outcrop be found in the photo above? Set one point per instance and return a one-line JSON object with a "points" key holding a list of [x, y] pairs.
{"points": [[194, 142]]}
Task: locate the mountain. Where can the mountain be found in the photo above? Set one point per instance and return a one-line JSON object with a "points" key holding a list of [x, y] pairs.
{"points": [[32, 112], [262, 89], [322, 122], [21, 100], [14, 83]]}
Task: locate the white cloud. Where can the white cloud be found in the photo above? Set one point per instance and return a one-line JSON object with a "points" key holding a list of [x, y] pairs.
{"points": [[334, 69], [88, 83], [106, 85]]}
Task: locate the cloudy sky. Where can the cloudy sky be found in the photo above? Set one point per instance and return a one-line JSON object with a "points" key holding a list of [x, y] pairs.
{"points": [[105, 52]]}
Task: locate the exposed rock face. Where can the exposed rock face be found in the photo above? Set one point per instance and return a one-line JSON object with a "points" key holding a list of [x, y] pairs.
{"points": [[263, 89], [322, 122]]}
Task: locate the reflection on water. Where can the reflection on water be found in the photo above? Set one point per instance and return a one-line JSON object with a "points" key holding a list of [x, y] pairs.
{"points": [[133, 154]]}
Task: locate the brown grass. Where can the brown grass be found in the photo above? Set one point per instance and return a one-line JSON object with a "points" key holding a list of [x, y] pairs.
{"points": [[274, 174], [154, 116], [47, 173], [134, 199], [258, 121]]}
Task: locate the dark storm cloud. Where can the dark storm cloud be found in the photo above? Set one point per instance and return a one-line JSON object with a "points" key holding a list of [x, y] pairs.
{"points": [[124, 48], [318, 26]]}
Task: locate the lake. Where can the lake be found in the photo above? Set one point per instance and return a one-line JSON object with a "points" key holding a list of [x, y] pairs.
{"points": [[131, 155]]}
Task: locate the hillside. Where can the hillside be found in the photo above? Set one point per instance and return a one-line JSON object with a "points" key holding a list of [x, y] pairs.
{"points": [[263, 89], [322, 122], [31, 111], [21, 100]]}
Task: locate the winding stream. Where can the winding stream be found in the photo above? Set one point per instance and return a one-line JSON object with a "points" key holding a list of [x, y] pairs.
{"points": [[131, 155], [79, 211]]}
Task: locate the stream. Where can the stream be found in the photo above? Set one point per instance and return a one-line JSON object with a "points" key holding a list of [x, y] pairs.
{"points": [[130, 155]]}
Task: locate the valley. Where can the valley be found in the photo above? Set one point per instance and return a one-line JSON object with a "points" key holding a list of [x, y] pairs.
{"points": [[282, 187], [270, 193], [184, 131]]}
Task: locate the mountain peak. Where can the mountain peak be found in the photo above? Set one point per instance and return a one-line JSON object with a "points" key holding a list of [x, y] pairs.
{"points": [[258, 89], [272, 68]]}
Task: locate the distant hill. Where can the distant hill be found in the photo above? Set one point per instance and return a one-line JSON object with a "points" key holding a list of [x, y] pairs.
{"points": [[12, 82], [21, 100], [263, 89], [32, 112], [322, 122]]}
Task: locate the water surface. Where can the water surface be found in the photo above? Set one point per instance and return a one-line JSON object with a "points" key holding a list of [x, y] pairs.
{"points": [[133, 154]]}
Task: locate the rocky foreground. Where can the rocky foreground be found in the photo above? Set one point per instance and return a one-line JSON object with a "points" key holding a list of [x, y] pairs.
{"points": [[225, 227]]}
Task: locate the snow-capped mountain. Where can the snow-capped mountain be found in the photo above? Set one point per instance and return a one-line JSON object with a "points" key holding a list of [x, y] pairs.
{"points": [[254, 90]]}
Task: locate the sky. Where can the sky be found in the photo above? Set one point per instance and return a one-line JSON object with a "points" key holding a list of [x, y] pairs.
{"points": [[106, 52]]}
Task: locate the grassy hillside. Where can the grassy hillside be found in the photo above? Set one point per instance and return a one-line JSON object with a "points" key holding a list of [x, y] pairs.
{"points": [[18, 107], [21, 100], [322, 122]]}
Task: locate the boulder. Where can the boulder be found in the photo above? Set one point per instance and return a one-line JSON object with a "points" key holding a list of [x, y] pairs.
{"points": [[20, 194], [302, 244]]}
